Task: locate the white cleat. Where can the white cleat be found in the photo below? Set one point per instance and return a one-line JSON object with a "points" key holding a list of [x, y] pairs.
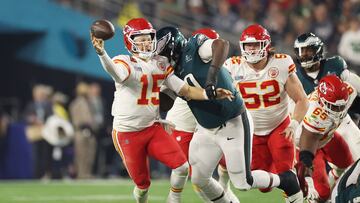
{"points": [[296, 198], [230, 194]]}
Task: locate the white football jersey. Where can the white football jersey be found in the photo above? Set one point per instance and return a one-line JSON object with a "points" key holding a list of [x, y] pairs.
{"points": [[317, 121], [136, 99], [181, 115], [263, 91]]}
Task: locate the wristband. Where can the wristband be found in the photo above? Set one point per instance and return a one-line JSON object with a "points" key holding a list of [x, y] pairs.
{"points": [[211, 78], [306, 157], [205, 95]]}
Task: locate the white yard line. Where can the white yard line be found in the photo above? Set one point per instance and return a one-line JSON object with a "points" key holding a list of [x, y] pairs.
{"points": [[84, 198]]}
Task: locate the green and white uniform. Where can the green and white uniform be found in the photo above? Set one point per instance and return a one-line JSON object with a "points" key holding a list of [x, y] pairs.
{"points": [[347, 189], [224, 127]]}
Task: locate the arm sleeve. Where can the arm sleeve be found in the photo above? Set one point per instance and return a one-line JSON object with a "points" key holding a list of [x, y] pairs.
{"points": [[205, 51], [118, 69], [174, 83], [351, 78], [164, 89]]}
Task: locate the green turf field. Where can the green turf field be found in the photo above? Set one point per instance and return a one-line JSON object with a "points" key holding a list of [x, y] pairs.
{"points": [[106, 191]]}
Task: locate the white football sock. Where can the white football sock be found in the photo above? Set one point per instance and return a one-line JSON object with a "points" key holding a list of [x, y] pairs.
{"points": [[201, 194], [177, 180], [140, 195], [263, 179], [223, 177]]}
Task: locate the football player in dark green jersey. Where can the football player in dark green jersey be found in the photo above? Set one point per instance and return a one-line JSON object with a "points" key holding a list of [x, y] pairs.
{"points": [[224, 127], [347, 189]]}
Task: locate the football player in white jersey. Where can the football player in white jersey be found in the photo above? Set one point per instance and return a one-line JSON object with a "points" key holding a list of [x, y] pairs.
{"points": [[318, 140], [265, 81], [136, 132]]}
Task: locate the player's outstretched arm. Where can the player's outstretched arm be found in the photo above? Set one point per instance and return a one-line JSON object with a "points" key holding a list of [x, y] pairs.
{"points": [[220, 50], [296, 92], [117, 71], [197, 93], [309, 142]]}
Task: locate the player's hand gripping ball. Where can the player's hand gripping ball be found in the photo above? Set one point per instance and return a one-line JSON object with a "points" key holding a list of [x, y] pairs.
{"points": [[103, 29]]}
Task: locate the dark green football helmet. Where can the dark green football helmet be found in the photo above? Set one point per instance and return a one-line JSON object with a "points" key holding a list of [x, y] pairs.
{"points": [[312, 42], [170, 41]]}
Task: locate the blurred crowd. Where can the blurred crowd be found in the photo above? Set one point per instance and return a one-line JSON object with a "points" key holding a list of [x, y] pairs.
{"points": [[69, 138], [337, 23]]}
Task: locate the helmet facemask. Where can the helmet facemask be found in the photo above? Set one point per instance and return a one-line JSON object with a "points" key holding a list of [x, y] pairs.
{"points": [[254, 56], [335, 110], [144, 48], [304, 45], [308, 61]]}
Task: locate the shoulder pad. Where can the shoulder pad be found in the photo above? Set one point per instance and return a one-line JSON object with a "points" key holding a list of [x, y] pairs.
{"points": [[200, 39], [337, 61]]}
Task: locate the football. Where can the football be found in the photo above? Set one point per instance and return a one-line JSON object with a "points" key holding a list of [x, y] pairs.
{"points": [[103, 29]]}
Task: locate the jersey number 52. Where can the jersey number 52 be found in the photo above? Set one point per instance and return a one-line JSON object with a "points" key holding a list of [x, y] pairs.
{"points": [[253, 100]]}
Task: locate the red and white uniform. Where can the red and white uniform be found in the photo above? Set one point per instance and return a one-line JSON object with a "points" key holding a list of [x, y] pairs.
{"points": [[136, 99], [332, 147], [266, 99], [181, 115], [264, 91], [317, 121], [136, 133], [185, 123]]}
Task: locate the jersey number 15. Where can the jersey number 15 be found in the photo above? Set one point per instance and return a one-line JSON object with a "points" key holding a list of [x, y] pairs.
{"points": [[144, 100]]}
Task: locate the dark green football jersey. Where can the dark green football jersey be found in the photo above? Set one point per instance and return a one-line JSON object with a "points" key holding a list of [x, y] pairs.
{"points": [[334, 65], [349, 193], [209, 114]]}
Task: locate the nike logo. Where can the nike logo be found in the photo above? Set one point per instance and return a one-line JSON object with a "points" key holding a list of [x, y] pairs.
{"points": [[230, 138]]}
